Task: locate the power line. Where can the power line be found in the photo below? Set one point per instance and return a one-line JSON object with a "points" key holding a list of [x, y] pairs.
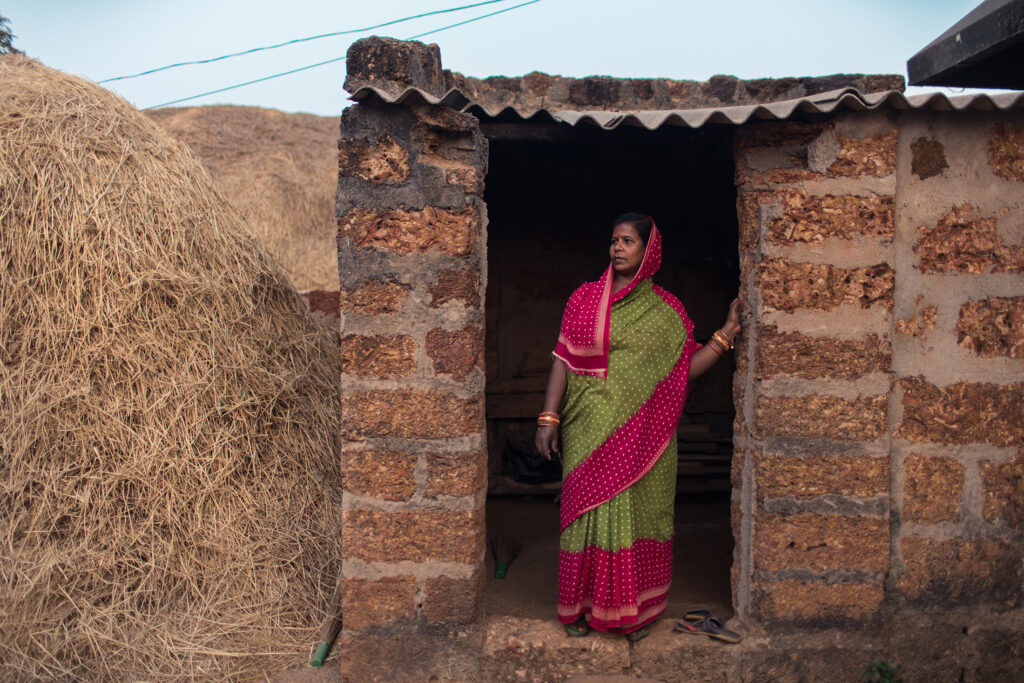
{"points": [[330, 61], [421, 35], [302, 40], [241, 85]]}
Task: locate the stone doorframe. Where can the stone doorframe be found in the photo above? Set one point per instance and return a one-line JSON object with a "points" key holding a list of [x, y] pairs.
{"points": [[412, 262]]}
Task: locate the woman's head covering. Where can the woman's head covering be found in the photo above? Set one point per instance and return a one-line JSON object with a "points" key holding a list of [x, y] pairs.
{"points": [[583, 337]]}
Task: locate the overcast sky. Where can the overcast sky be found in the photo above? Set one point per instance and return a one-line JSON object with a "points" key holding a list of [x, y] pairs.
{"points": [[681, 39]]}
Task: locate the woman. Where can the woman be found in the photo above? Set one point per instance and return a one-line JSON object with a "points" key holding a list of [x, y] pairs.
{"points": [[624, 356]]}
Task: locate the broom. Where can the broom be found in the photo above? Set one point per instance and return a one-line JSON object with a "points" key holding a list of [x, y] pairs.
{"points": [[331, 629], [505, 549]]}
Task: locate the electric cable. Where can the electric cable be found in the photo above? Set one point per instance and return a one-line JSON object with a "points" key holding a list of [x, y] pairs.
{"points": [[328, 61], [436, 30], [299, 40]]}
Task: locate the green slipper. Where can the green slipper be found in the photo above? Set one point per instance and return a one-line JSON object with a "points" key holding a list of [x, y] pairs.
{"points": [[638, 634], [578, 628]]}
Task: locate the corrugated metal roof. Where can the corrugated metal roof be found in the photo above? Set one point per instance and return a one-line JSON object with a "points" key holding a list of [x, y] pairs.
{"points": [[822, 103]]}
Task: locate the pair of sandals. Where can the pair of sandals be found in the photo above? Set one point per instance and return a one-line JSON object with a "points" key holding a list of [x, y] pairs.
{"points": [[581, 628], [699, 622]]}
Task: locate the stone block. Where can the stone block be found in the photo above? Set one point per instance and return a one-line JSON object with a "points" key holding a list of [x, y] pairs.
{"points": [[380, 474], [323, 303], [393, 65], [825, 417], [1006, 151], [961, 572], [534, 650], [459, 284], [821, 543], [665, 655], [369, 602], [450, 600], [811, 476], [932, 489], [456, 474], [964, 412], [928, 158], [996, 653], [748, 209], [380, 355], [1003, 486], [810, 661], [870, 156], [413, 535], [450, 231], [410, 413], [778, 134], [814, 218], [439, 654], [456, 352], [927, 647], [963, 241], [594, 90], [800, 355], [776, 176], [376, 297], [384, 160], [805, 603], [787, 285], [739, 458], [469, 177], [992, 327], [325, 307], [919, 323]]}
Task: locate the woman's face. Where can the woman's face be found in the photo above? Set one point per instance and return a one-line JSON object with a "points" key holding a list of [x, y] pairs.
{"points": [[627, 250]]}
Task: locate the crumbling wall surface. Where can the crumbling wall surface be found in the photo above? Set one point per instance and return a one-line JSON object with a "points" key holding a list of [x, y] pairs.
{"points": [[538, 90], [411, 258], [878, 466]]}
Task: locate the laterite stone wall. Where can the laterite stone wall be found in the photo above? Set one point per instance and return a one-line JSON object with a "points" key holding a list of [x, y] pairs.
{"points": [[879, 471], [412, 259], [811, 470]]}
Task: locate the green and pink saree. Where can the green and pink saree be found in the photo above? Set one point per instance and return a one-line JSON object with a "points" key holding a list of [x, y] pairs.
{"points": [[629, 357]]}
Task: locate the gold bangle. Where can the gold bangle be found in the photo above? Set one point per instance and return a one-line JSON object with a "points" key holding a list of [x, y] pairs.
{"points": [[715, 346], [550, 413], [724, 339]]}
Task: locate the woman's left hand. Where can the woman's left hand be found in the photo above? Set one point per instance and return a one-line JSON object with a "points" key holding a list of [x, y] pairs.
{"points": [[732, 324]]}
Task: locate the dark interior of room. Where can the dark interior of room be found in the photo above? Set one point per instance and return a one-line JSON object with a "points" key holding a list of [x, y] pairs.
{"points": [[552, 195]]}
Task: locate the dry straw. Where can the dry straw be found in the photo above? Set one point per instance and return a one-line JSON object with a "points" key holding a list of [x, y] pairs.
{"points": [[168, 409]]}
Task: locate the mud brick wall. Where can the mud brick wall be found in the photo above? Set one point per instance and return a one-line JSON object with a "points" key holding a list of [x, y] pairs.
{"points": [[411, 258], [879, 463]]}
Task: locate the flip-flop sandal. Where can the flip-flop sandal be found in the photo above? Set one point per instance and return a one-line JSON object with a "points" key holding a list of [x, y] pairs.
{"points": [[697, 615], [577, 629], [710, 627], [638, 634]]}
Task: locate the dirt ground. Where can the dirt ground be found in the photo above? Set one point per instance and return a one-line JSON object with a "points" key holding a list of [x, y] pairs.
{"points": [[703, 555]]}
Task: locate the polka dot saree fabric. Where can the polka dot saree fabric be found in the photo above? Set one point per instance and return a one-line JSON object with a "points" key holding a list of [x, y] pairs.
{"points": [[619, 464]]}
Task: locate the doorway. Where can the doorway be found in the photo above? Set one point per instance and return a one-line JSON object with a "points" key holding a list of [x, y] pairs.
{"points": [[552, 194]]}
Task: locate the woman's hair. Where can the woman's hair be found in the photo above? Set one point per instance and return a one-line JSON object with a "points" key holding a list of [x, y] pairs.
{"points": [[638, 221]]}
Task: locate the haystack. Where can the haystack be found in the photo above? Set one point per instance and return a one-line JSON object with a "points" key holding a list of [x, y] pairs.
{"points": [[168, 409], [280, 171]]}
